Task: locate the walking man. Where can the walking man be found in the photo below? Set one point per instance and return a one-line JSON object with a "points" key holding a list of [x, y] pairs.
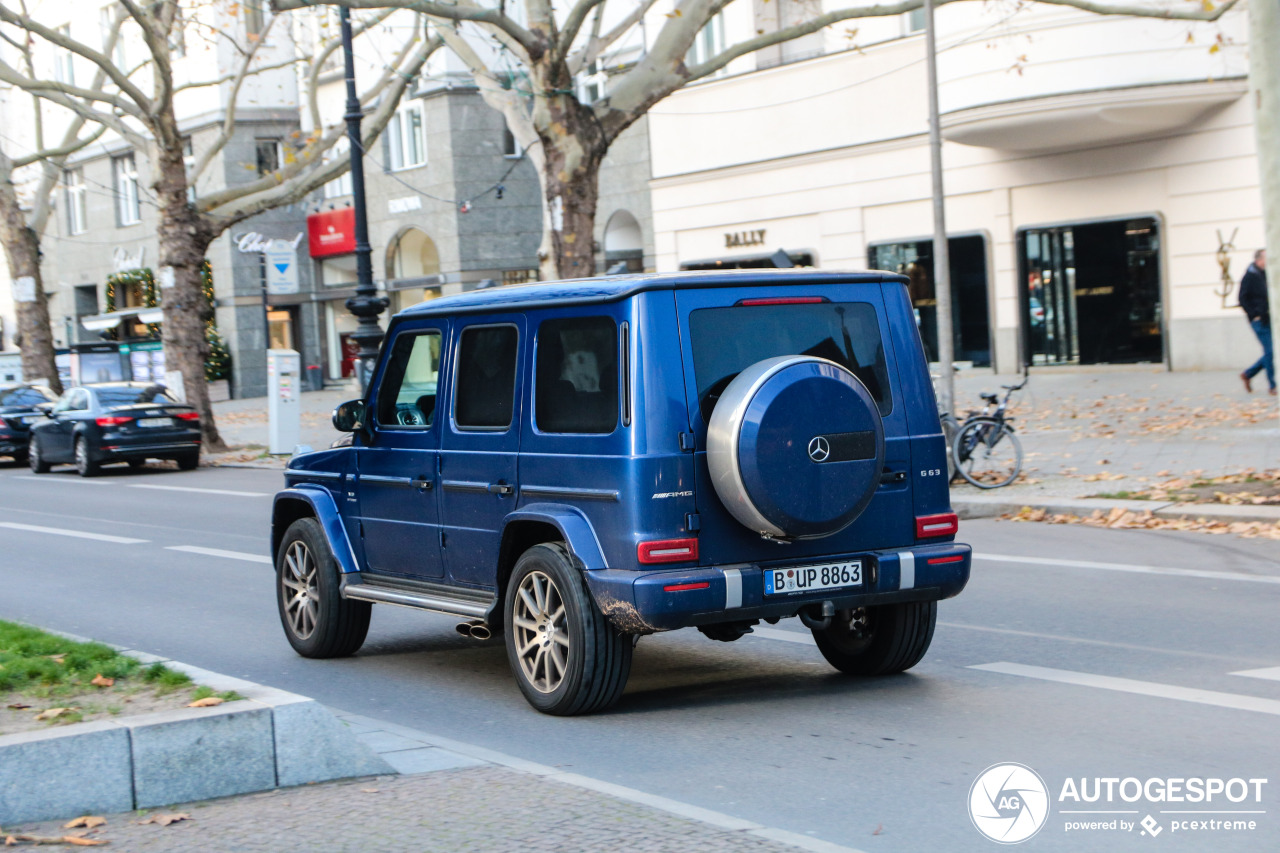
{"points": [[1253, 299]]}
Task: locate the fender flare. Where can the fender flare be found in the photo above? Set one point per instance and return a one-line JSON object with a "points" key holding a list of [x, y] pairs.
{"points": [[325, 511], [577, 531]]}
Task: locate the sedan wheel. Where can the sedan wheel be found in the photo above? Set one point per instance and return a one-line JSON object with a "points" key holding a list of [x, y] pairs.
{"points": [[85, 466], [35, 458]]}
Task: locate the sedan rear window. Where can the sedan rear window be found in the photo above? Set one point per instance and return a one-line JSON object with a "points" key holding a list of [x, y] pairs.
{"points": [[23, 397], [110, 397], [727, 341]]}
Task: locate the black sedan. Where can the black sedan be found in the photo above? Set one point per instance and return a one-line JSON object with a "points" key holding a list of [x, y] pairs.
{"points": [[115, 422], [21, 406]]}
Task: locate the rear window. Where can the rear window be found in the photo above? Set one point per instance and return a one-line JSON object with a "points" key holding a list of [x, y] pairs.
{"points": [[109, 397], [727, 341], [23, 397]]}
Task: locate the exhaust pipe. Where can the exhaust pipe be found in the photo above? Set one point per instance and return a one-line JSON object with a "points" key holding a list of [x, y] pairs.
{"points": [[828, 610], [475, 629]]}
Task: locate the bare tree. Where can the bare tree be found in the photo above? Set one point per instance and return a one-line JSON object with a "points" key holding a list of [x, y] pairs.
{"points": [[138, 105], [566, 138]]}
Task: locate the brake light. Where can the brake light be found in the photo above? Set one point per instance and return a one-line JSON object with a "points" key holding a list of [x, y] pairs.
{"points": [[783, 300], [955, 558], [115, 420], [681, 587], [943, 524], [667, 551], [188, 416]]}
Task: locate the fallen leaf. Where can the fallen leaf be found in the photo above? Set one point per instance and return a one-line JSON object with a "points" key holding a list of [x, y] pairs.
{"points": [[18, 706], [53, 713], [206, 702], [369, 790], [166, 819], [102, 681], [58, 658], [82, 842], [88, 821], [13, 840]]}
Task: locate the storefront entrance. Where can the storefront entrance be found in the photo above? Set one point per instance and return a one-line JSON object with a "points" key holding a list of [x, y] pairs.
{"points": [[1092, 293], [969, 318]]}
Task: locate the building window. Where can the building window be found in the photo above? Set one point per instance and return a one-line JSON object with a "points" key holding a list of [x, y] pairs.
{"points": [[178, 35], [510, 148], [405, 143], [255, 17], [124, 170], [708, 43], [106, 19], [73, 182], [270, 156], [340, 185], [913, 21], [592, 84], [64, 63]]}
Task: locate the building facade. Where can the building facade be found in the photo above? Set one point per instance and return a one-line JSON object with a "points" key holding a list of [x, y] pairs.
{"points": [[1096, 168]]}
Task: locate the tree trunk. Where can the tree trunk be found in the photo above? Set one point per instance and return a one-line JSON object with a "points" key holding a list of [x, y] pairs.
{"points": [[22, 247], [574, 145], [184, 237]]}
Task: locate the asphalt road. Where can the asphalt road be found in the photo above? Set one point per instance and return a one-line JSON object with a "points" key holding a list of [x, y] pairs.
{"points": [[1080, 653]]}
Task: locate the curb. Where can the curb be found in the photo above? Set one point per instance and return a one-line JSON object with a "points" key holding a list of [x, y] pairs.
{"points": [[992, 506], [270, 739]]}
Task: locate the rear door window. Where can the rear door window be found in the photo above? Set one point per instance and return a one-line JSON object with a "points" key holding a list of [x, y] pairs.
{"points": [[577, 376], [726, 341], [485, 397]]}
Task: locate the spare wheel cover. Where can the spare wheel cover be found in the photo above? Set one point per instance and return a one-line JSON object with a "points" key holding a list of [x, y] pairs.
{"points": [[795, 447]]}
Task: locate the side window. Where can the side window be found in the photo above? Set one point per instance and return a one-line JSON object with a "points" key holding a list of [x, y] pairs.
{"points": [[577, 376], [79, 400], [407, 395], [64, 403], [485, 396]]}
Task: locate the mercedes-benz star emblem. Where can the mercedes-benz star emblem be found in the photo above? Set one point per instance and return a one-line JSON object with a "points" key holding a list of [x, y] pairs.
{"points": [[819, 448]]}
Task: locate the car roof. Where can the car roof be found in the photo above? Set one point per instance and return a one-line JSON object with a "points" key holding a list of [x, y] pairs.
{"points": [[591, 291]]}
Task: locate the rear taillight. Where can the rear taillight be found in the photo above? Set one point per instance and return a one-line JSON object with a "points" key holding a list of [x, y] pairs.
{"points": [[667, 551], [188, 416], [113, 421], [943, 524]]}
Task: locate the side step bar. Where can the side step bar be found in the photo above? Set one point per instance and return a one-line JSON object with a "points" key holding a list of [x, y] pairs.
{"points": [[437, 600]]}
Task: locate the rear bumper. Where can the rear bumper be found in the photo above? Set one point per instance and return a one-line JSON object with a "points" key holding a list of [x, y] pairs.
{"points": [[639, 603], [163, 450], [13, 444]]}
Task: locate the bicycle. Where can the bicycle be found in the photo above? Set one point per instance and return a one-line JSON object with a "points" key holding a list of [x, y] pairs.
{"points": [[984, 450]]}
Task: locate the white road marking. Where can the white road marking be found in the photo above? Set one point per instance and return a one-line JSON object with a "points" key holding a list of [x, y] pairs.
{"points": [[64, 479], [1271, 673], [218, 552], [1142, 688], [1130, 567], [1063, 638], [78, 534], [195, 489], [785, 636]]}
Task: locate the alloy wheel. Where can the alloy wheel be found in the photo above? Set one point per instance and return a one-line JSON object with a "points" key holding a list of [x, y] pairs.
{"points": [[541, 635], [301, 590]]}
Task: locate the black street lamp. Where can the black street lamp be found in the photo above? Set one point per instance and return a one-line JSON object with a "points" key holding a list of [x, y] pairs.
{"points": [[366, 305]]}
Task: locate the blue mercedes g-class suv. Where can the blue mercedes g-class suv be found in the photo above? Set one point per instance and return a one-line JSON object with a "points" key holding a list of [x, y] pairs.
{"points": [[575, 464]]}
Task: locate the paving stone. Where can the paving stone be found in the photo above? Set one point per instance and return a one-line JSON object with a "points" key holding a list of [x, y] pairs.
{"points": [[51, 774]]}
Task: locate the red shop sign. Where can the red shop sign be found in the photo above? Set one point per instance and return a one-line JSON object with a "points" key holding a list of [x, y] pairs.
{"points": [[332, 232]]}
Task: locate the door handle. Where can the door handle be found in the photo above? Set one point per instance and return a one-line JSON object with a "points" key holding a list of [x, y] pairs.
{"points": [[423, 483], [501, 489]]}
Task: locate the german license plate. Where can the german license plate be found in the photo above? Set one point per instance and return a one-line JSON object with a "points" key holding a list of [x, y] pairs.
{"points": [[155, 422], [812, 578]]}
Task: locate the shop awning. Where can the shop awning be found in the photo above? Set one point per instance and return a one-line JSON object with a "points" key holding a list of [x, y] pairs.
{"points": [[98, 322]]}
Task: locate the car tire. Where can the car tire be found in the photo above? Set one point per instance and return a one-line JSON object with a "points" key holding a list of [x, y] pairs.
{"points": [[878, 640], [317, 620], [565, 655], [35, 459], [190, 462], [85, 466]]}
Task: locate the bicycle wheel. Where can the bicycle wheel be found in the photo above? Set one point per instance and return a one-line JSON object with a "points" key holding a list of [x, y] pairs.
{"points": [[987, 453]]}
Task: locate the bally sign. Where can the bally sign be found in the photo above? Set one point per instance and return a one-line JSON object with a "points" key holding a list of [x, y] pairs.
{"points": [[332, 232], [744, 238]]}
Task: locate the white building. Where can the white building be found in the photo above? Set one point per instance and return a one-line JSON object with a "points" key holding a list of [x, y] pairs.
{"points": [[1091, 165]]}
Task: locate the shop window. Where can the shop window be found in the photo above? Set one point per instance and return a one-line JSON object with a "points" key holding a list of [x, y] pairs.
{"points": [[407, 396], [124, 170], [577, 376], [485, 396], [77, 214], [281, 328], [406, 147]]}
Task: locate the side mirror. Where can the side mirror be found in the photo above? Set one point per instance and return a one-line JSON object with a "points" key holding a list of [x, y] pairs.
{"points": [[349, 416]]}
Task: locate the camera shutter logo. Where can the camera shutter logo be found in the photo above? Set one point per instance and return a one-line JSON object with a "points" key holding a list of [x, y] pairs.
{"points": [[1009, 803], [819, 448]]}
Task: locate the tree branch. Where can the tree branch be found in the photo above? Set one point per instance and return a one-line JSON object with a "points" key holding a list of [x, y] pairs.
{"points": [[465, 10], [597, 44], [573, 24]]}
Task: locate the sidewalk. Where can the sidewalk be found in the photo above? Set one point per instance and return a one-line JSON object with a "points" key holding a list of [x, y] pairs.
{"points": [[452, 800]]}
